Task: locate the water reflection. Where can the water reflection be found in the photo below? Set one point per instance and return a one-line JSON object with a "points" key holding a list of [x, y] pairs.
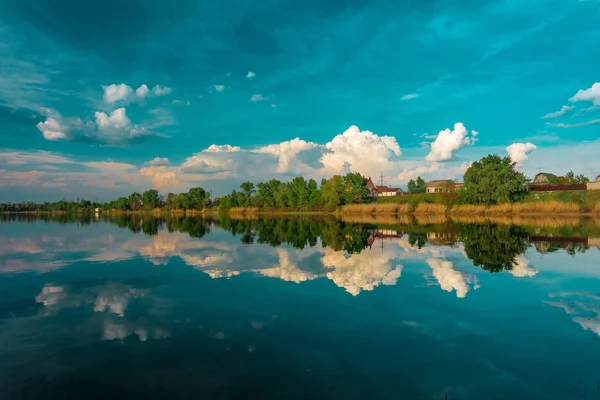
{"points": [[356, 257], [218, 295]]}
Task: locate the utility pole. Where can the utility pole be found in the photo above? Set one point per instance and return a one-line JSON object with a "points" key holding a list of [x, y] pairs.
{"points": [[381, 178]]}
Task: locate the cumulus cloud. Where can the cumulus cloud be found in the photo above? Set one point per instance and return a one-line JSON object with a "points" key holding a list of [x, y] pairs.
{"points": [[590, 94], [114, 93], [142, 91], [364, 271], [116, 120], [365, 151], [448, 278], [449, 141], [219, 88], [563, 110], [52, 129], [257, 97], [157, 161], [125, 93], [226, 148], [161, 90], [521, 268], [409, 96], [518, 152], [162, 177], [250, 75], [287, 152], [116, 127]]}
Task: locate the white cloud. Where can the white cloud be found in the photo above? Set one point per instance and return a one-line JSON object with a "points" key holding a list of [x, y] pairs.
{"points": [[563, 110], [409, 96], [142, 91], [257, 97], [448, 278], [114, 93], [364, 271], [518, 152], [287, 152], [449, 141], [590, 94], [52, 129], [365, 151], [219, 88], [158, 161], [577, 125], [250, 75], [161, 90], [226, 148], [521, 268], [116, 120]]}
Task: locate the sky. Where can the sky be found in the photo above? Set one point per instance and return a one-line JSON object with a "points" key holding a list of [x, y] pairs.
{"points": [[101, 98]]}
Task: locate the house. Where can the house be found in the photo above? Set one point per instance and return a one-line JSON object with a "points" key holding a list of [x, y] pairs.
{"points": [[382, 191], [595, 184], [545, 178], [443, 186]]}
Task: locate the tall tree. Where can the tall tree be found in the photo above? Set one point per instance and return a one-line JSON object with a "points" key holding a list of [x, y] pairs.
{"points": [[247, 192], [197, 198], [135, 201], [355, 188], [493, 180], [332, 191], [151, 199]]}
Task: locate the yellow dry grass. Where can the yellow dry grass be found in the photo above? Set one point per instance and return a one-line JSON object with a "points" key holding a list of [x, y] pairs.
{"points": [[468, 209], [425, 208], [376, 209], [546, 207], [597, 208], [243, 210], [500, 209]]}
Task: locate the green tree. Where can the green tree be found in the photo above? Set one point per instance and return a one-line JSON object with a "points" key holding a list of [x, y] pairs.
{"points": [[355, 188], [247, 193], [420, 186], [493, 180], [314, 194], [573, 179], [197, 198], [135, 201], [151, 199], [333, 189]]}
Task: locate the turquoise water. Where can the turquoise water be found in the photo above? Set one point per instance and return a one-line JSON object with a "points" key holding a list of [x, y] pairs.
{"points": [[295, 309]]}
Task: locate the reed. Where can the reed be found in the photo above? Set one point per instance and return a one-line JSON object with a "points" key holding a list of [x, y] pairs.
{"points": [[243, 210], [500, 209], [468, 209], [426, 208], [376, 209], [546, 207]]}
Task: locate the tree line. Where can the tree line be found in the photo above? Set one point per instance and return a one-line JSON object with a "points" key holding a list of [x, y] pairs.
{"points": [[299, 192]]}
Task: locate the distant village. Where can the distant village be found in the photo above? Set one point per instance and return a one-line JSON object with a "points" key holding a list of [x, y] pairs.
{"points": [[543, 182]]}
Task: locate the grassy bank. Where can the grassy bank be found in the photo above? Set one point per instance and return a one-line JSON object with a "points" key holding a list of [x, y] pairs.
{"points": [[539, 208]]}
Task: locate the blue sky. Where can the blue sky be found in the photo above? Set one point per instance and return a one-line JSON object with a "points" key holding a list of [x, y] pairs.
{"points": [[100, 98]]}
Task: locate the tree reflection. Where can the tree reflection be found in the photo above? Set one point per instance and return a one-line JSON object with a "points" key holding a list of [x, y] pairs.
{"points": [[493, 247]]}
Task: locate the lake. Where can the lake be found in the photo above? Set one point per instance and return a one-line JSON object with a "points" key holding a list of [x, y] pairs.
{"points": [[298, 308]]}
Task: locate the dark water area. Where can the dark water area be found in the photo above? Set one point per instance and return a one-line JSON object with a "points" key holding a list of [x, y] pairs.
{"points": [[297, 308]]}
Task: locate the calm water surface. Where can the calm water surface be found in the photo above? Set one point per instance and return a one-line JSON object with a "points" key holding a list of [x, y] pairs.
{"points": [[297, 309]]}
